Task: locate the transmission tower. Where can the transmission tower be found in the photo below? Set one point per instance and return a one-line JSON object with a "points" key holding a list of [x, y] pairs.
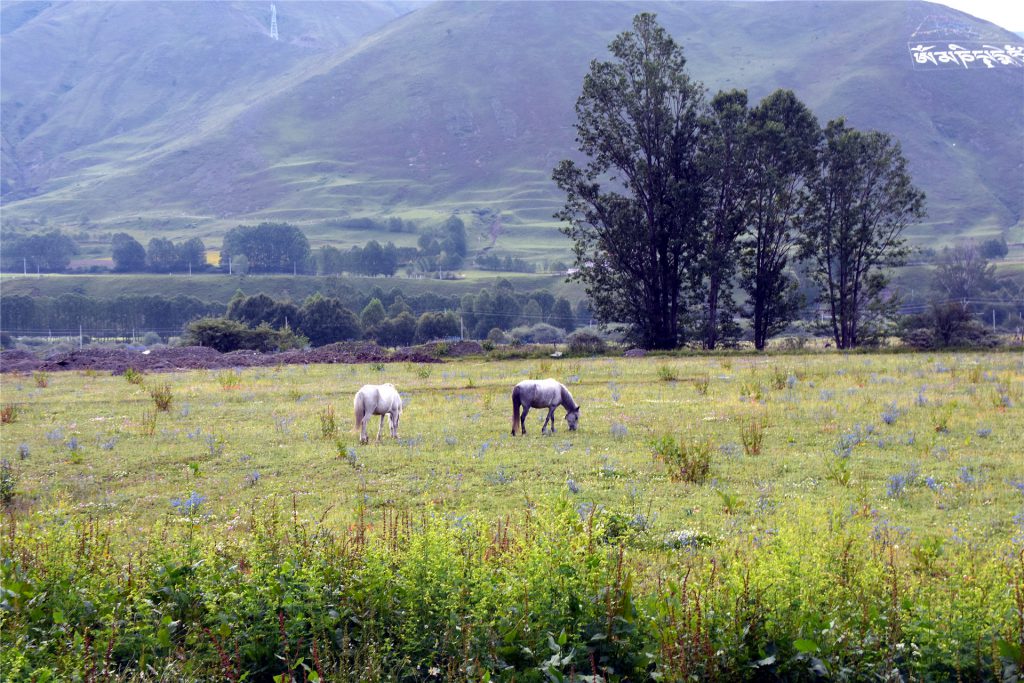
{"points": [[273, 22]]}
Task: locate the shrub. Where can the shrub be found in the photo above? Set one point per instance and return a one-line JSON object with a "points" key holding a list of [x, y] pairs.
{"points": [[752, 435], [947, 325], [585, 342], [687, 461], [328, 424], [226, 335], [133, 376], [42, 379], [667, 373], [8, 482], [497, 336], [9, 413], [541, 333], [229, 380], [162, 396]]}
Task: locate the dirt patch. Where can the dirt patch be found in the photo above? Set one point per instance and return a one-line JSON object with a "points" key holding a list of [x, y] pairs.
{"points": [[117, 360]]}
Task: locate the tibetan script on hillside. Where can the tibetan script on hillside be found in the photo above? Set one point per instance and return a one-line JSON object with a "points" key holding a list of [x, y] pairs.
{"points": [[964, 55]]}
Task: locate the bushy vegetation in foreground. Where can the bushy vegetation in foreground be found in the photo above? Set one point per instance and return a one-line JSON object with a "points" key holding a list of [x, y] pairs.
{"points": [[543, 595], [814, 517]]}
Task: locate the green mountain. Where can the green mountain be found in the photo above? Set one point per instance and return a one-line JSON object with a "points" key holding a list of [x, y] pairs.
{"points": [[150, 116]]}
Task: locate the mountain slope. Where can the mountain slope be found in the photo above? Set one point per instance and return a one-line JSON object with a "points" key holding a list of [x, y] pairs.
{"points": [[468, 106]]}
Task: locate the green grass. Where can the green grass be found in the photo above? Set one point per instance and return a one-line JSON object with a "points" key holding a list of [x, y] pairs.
{"points": [[914, 546], [454, 434]]}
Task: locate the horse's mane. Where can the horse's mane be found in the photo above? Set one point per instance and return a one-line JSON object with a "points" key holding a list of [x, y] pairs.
{"points": [[568, 399]]}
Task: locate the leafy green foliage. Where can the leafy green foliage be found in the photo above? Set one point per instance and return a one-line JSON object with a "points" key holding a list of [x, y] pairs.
{"points": [[861, 201], [688, 461], [229, 335], [268, 247]]}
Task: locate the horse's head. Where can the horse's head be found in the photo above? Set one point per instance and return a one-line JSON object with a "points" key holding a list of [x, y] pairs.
{"points": [[573, 417]]}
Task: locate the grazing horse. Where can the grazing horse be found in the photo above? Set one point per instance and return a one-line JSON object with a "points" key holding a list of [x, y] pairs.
{"points": [[542, 393], [377, 399]]}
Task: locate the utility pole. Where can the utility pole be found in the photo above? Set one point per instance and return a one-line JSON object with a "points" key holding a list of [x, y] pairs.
{"points": [[273, 22]]}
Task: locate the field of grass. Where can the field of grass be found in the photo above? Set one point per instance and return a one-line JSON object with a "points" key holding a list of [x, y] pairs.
{"points": [[734, 516]]}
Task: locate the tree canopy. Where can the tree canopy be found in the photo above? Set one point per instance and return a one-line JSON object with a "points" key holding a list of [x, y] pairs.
{"points": [[633, 210]]}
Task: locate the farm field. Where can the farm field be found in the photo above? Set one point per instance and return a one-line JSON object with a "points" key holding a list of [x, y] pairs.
{"points": [[806, 516]]}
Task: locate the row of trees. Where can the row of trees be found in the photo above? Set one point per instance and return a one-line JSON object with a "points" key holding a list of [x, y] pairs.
{"points": [[160, 256], [389, 319], [48, 252], [683, 201], [20, 313]]}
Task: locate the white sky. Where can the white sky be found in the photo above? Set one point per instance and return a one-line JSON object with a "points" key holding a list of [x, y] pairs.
{"points": [[1008, 14]]}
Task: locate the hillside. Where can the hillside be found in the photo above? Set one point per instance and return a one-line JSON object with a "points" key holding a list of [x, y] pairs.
{"points": [[454, 107]]}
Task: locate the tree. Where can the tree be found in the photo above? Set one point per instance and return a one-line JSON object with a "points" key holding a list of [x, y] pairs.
{"points": [[326, 320], [963, 273], [532, 313], [724, 158], [192, 254], [633, 212], [562, 316], [49, 252], [454, 231], [436, 325], [373, 314], [861, 200], [269, 247], [161, 255], [128, 254], [995, 248], [17, 312], [783, 139], [259, 309], [397, 331]]}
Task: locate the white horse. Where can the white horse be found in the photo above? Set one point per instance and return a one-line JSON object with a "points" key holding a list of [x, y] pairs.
{"points": [[542, 393], [377, 399]]}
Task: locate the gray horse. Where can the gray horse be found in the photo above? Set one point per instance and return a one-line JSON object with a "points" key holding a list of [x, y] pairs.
{"points": [[377, 399], [542, 393]]}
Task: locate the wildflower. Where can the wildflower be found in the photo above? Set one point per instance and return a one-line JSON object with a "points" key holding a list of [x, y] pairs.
{"points": [[966, 476], [984, 432], [619, 430], [897, 485], [190, 505], [573, 487], [891, 414], [23, 451]]}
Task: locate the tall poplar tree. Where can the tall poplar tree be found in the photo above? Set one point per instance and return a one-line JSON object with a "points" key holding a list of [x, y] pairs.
{"points": [[861, 200], [634, 209]]}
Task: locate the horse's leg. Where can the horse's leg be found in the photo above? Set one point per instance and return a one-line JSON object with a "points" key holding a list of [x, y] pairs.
{"points": [[522, 420], [551, 419], [393, 423], [380, 429], [363, 437]]}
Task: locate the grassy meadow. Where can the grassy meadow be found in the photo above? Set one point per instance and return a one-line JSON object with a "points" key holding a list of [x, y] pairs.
{"points": [[808, 517]]}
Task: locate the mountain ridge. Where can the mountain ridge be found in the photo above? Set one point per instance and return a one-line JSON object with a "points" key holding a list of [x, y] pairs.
{"points": [[466, 107]]}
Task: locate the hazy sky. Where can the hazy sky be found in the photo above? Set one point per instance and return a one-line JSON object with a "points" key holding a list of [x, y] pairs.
{"points": [[1008, 14]]}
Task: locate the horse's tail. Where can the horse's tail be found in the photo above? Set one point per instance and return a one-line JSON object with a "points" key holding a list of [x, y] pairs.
{"points": [[517, 404], [360, 409]]}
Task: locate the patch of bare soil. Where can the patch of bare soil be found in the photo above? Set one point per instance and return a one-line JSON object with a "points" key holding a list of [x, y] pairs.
{"points": [[117, 360]]}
